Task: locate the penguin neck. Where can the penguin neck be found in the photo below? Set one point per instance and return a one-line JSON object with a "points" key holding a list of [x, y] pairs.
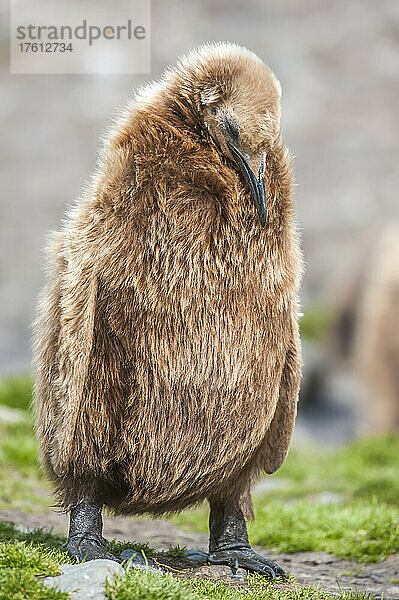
{"points": [[181, 110]]}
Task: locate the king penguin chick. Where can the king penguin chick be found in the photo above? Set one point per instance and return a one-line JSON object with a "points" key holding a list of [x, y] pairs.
{"points": [[167, 354]]}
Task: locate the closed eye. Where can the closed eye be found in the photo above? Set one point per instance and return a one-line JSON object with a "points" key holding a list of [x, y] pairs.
{"points": [[231, 129]]}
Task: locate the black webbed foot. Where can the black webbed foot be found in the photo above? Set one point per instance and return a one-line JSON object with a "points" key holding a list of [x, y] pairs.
{"points": [[248, 559], [229, 544], [89, 546], [85, 540]]}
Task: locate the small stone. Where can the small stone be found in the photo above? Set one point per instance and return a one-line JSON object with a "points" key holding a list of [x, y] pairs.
{"points": [[130, 553], [139, 561], [85, 581], [241, 575]]}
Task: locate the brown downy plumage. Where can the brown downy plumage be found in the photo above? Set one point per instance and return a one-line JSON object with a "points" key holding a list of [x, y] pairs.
{"points": [[167, 355]]}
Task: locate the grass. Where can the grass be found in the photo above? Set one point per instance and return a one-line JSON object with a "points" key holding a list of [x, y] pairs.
{"points": [[26, 557], [38, 551], [22, 485], [148, 586], [18, 584], [261, 589], [135, 585], [138, 586], [36, 537], [363, 532], [118, 547], [38, 560], [367, 468]]}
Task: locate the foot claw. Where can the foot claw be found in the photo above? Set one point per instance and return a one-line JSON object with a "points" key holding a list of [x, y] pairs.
{"points": [[235, 565], [89, 547], [281, 573], [269, 572], [249, 560]]}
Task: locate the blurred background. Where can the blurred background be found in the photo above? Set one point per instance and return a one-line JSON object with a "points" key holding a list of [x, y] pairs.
{"points": [[338, 63]]}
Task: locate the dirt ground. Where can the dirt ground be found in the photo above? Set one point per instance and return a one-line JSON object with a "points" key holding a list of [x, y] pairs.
{"points": [[309, 568]]}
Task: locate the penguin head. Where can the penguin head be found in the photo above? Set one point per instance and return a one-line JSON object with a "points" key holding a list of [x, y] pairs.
{"points": [[237, 97]]}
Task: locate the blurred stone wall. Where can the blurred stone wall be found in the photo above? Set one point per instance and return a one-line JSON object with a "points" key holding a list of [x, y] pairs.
{"points": [[338, 63]]}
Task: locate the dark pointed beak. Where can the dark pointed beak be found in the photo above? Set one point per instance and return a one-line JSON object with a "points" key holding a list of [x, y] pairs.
{"points": [[257, 185]]}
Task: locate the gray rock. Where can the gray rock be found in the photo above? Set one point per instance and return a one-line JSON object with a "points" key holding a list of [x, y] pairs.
{"points": [[85, 581]]}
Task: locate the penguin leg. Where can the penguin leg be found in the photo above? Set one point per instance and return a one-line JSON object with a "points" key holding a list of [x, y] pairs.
{"points": [[85, 541], [228, 541]]}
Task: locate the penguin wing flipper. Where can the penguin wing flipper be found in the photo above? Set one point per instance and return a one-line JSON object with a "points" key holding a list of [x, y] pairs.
{"points": [[278, 437], [63, 338]]}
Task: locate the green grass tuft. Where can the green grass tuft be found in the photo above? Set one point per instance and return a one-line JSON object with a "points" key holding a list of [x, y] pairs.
{"points": [[118, 547], [38, 560], [366, 468], [136, 585], [37, 536], [358, 531], [26, 555], [19, 447], [176, 551], [260, 588], [18, 584], [22, 485]]}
